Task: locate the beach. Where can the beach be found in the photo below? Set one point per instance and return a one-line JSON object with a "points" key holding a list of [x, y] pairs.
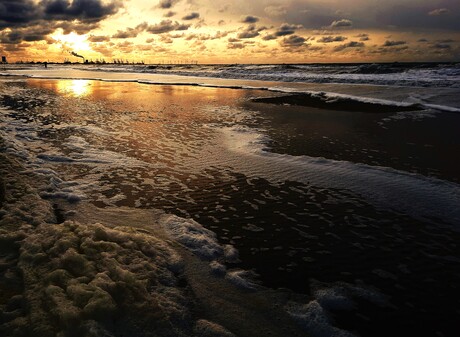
{"points": [[168, 204]]}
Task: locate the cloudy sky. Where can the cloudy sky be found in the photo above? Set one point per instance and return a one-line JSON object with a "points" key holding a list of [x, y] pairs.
{"points": [[231, 31]]}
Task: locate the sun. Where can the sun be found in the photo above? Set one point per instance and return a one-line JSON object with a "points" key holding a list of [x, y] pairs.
{"points": [[72, 41]]}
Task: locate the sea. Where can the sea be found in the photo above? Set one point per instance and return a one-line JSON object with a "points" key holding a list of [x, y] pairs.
{"points": [[337, 184]]}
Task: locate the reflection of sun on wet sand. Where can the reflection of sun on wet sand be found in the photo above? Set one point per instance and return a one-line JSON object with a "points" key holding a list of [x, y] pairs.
{"points": [[78, 88]]}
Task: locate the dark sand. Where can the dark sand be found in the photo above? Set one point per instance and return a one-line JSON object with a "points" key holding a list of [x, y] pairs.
{"points": [[364, 133], [321, 101]]}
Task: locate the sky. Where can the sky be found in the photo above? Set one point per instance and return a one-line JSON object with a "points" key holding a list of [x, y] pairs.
{"points": [[230, 31]]}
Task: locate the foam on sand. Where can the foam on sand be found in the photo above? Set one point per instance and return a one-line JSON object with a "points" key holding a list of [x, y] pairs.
{"points": [[80, 279], [242, 279], [203, 243], [106, 279], [315, 315], [315, 320], [96, 276], [193, 236], [89, 274]]}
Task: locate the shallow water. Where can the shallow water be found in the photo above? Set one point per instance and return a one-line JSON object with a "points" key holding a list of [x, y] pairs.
{"points": [[312, 199]]}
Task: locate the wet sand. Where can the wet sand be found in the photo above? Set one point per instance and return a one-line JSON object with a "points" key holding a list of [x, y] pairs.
{"points": [[114, 153], [403, 138]]}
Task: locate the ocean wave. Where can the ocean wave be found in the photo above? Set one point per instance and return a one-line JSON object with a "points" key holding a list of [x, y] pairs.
{"points": [[394, 74], [438, 75]]}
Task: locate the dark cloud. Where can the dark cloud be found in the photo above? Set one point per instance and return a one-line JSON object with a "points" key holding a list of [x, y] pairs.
{"points": [[33, 21], [293, 41], [18, 12], [287, 29], [236, 45], [103, 49], [34, 37], [363, 37], [203, 37], [166, 39], [249, 19], [219, 35], [389, 43], [167, 3], [284, 30], [166, 26], [144, 47], [393, 50], [250, 32], [191, 16], [169, 14], [270, 37], [83, 10], [77, 27], [191, 37], [329, 39], [17, 49], [11, 38], [351, 44], [441, 46], [28, 34], [130, 32], [98, 38], [206, 37], [125, 46]]}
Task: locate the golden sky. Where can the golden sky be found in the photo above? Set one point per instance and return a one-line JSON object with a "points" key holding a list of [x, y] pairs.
{"points": [[230, 31]]}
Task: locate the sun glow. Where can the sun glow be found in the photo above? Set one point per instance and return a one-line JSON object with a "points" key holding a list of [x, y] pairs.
{"points": [[72, 41], [77, 88]]}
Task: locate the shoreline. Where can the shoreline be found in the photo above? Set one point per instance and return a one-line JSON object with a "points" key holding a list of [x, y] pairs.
{"points": [[315, 99], [335, 96]]}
